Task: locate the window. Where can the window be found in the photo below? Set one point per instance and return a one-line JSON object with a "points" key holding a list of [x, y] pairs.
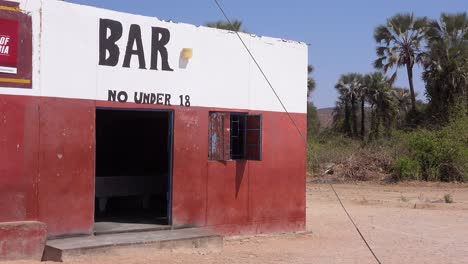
{"points": [[235, 136]]}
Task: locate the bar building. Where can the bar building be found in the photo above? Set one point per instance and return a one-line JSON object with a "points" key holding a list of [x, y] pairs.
{"points": [[108, 116]]}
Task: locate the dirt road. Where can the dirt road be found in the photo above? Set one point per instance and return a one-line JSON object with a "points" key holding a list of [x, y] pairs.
{"points": [[407, 223]]}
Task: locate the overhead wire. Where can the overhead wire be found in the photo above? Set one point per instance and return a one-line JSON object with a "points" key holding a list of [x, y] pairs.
{"points": [[293, 122], [261, 71]]}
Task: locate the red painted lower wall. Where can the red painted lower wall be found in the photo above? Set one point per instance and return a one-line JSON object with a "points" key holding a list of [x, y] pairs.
{"points": [[22, 240], [47, 151], [66, 165], [19, 145]]}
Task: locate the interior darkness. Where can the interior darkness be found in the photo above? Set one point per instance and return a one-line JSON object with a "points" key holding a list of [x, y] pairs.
{"points": [[132, 166], [237, 140]]}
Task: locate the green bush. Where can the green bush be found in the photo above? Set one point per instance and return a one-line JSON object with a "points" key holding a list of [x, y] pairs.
{"points": [[421, 154], [405, 168], [442, 154]]}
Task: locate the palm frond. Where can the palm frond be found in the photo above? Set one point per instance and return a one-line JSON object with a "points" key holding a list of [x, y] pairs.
{"points": [[382, 33], [378, 63], [235, 26]]}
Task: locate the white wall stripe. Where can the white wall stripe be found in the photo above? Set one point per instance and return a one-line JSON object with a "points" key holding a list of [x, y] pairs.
{"points": [[220, 73]]}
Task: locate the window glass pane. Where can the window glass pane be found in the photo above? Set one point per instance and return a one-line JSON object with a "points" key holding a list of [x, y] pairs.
{"points": [[237, 129]]}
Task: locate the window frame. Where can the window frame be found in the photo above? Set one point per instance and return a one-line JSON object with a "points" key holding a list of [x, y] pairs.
{"points": [[220, 137]]}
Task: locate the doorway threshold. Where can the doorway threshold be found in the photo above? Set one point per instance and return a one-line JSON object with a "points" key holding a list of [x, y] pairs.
{"points": [[105, 228]]}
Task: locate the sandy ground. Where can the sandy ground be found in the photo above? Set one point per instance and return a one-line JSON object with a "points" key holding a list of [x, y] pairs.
{"points": [[405, 223]]}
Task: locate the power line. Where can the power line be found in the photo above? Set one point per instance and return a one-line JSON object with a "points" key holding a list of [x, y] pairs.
{"points": [[261, 70], [355, 226], [292, 120]]}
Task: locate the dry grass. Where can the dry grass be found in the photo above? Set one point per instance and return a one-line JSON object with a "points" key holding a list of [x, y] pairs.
{"points": [[338, 159]]}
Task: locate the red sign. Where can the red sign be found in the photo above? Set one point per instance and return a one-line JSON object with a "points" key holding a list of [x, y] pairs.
{"points": [[8, 46]]}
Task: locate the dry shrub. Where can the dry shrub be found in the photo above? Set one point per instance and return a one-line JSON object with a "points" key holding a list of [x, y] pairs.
{"points": [[366, 165], [329, 148], [334, 158]]}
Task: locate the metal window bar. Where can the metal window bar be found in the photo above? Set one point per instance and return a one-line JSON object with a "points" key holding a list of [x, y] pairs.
{"points": [[238, 139]]}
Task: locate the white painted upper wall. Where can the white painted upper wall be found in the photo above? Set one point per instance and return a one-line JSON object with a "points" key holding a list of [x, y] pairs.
{"points": [[220, 74]]}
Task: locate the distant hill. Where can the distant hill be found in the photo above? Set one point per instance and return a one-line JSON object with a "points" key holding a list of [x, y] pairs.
{"points": [[326, 117]]}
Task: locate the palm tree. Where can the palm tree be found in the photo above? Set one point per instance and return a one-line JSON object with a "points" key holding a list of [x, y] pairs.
{"points": [[383, 104], [399, 45], [235, 26], [311, 84], [363, 91], [348, 87], [446, 66], [403, 99], [342, 115], [313, 122]]}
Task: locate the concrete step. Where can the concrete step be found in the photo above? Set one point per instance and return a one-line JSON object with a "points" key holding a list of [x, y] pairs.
{"points": [[65, 249], [106, 228]]}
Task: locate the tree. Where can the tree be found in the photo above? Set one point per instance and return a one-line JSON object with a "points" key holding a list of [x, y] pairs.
{"points": [[311, 84], [363, 91], [349, 88], [446, 66], [383, 104], [403, 99], [399, 44], [313, 121], [341, 116], [236, 25]]}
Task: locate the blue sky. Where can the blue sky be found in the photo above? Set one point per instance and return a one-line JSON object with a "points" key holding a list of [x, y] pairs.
{"points": [[340, 32]]}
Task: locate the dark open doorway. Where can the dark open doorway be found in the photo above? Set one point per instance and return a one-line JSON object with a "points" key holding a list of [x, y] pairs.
{"points": [[133, 166]]}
